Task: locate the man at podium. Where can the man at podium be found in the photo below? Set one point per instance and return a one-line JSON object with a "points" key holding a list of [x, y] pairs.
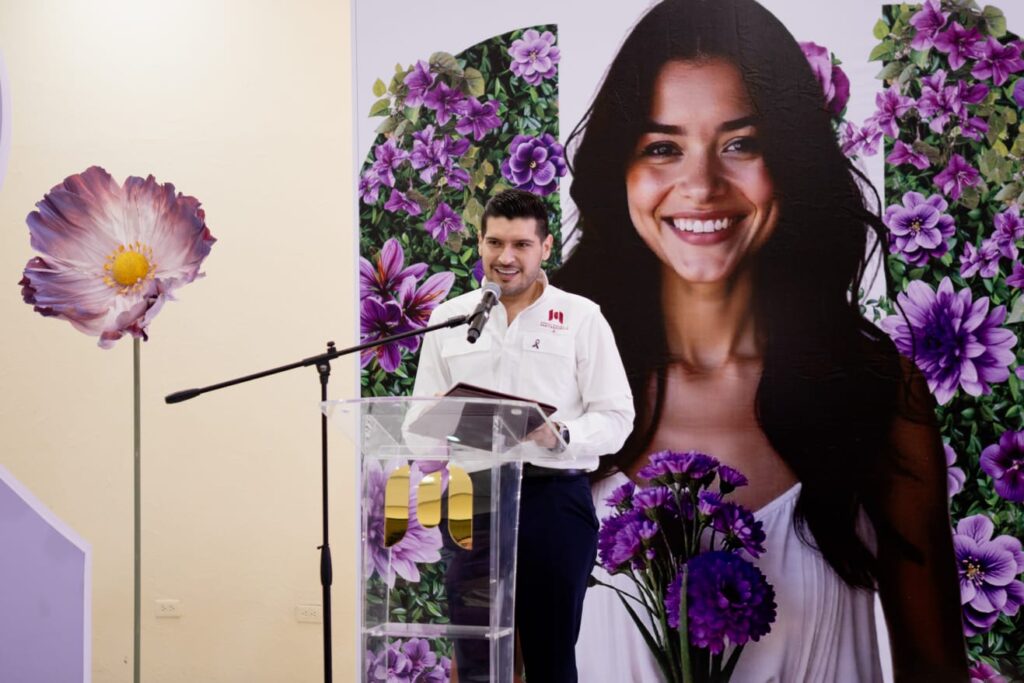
{"points": [[550, 346]]}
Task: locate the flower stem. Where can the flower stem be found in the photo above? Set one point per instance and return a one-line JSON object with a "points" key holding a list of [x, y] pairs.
{"points": [[684, 631], [137, 419]]}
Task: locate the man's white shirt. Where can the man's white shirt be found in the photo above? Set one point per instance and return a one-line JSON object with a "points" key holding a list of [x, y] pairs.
{"points": [[559, 350]]}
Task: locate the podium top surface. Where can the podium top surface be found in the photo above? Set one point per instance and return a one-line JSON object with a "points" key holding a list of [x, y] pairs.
{"points": [[470, 430]]}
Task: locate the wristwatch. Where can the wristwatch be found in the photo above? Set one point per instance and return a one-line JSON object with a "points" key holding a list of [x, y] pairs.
{"points": [[563, 432]]}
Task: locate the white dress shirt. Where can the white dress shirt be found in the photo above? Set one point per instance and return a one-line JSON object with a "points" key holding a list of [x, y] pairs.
{"points": [[559, 350]]}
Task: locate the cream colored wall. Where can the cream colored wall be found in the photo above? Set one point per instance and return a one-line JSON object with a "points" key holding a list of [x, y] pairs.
{"points": [[245, 105]]}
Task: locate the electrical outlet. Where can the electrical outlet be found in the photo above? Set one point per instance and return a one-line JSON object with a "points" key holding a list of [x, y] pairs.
{"points": [[309, 614], [168, 609]]}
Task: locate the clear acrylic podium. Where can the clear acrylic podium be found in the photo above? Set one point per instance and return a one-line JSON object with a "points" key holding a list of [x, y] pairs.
{"points": [[439, 508]]}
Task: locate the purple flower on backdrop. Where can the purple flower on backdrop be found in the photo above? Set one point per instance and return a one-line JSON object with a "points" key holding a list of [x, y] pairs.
{"points": [[891, 106], [981, 672], [835, 86], [398, 201], [1016, 279], [418, 82], [379, 319], [954, 339], [478, 118], [997, 61], [444, 222], [444, 101], [534, 56], [860, 141], [1018, 92], [1004, 462], [957, 175], [667, 467], [391, 665], [428, 153], [729, 601], [1009, 230], [955, 476], [974, 128], [112, 254], [927, 22], [369, 186], [902, 153], [388, 157], [622, 497], [478, 271], [418, 302], [983, 260], [959, 44], [420, 655], [417, 546], [384, 277], [739, 528], [534, 164], [456, 176], [919, 230], [988, 569]]}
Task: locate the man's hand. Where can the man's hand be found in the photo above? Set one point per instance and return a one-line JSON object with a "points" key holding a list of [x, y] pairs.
{"points": [[544, 436]]}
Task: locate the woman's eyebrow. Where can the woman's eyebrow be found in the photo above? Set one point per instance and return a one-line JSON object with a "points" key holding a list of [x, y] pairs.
{"points": [[672, 129]]}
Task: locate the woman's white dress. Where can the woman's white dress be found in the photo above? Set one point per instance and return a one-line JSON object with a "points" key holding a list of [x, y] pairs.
{"points": [[824, 632]]}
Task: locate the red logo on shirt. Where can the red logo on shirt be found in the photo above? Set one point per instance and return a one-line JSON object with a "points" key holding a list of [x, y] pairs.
{"points": [[557, 316]]}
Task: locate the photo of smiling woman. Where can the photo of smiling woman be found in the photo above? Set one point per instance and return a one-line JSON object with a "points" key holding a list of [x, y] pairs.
{"points": [[708, 178]]}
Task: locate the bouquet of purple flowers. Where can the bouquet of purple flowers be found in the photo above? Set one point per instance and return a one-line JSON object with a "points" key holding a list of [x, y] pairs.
{"points": [[685, 548]]}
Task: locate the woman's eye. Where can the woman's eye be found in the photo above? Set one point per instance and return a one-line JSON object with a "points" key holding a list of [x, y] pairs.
{"points": [[744, 145], [660, 149]]}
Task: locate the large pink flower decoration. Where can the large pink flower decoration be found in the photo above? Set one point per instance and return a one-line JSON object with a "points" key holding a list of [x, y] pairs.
{"points": [[112, 254]]}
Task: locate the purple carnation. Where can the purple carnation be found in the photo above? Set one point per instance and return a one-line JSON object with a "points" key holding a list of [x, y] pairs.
{"points": [[927, 22], [1004, 462], [417, 545], [418, 82], [708, 502], [446, 102], [860, 141], [534, 56], [399, 202], [955, 476], [620, 541], [835, 86], [983, 260], [997, 61], [478, 118], [988, 569], [902, 153], [953, 338], [444, 222], [741, 531], [1009, 230], [957, 175], [1016, 279], [667, 467], [534, 164], [959, 44], [729, 601], [650, 499], [730, 479], [622, 497], [919, 230]]}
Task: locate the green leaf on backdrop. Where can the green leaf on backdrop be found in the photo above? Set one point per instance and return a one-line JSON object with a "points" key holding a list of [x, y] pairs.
{"points": [[445, 63], [890, 71], [411, 113], [882, 51], [995, 22], [379, 88], [970, 198], [1017, 312], [380, 107], [388, 126], [475, 81], [881, 29], [473, 212]]}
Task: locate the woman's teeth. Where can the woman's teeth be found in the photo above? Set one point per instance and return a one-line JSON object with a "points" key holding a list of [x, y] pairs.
{"points": [[688, 225]]}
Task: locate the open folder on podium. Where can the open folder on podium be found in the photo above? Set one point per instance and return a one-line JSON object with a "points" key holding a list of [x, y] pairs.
{"points": [[468, 423]]}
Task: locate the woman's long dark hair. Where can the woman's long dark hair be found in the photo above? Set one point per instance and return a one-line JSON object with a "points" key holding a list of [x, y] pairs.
{"points": [[829, 387]]}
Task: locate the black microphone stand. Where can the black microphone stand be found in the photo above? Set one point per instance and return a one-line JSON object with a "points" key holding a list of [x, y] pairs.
{"points": [[323, 368]]}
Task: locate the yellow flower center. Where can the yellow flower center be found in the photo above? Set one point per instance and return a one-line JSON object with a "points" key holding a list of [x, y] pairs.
{"points": [[128, 267], [973, 570], [916, 225], [533, 164]]}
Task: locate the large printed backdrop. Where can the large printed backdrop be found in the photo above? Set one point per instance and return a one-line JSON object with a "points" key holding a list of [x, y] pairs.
{"points": [[935, 91]]}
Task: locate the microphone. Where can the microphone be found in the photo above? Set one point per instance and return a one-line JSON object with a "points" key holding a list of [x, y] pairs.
{"points": [[492, 292]]}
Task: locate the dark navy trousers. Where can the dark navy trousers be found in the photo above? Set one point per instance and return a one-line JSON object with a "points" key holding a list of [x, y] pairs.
{"points": [[556, 553]]}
